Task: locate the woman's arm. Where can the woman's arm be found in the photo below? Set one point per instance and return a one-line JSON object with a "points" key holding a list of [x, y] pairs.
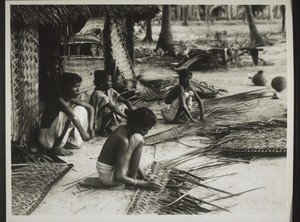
{"points": [[123, 160], [125, 101], [182, 103], [142, 174], [69, 112], [91, 114], [115, 109], [200, 104]]}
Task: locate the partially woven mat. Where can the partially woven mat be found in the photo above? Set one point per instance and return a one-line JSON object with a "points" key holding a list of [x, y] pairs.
{"points": [[144, 201], [173, 197], [31, 183]]}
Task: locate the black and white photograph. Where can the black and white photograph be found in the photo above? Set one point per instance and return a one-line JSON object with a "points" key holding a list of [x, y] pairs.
{"points": [[133, 111]]}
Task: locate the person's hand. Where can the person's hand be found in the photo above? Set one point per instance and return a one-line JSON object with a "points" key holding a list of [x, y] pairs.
{"points": [[193, 120], [145, 177], [59, 151], [150, 185], [202, 119], [92, 133], [85, 136]]}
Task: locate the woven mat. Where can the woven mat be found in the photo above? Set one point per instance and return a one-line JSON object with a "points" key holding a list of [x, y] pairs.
{"points": [[145, 201], [173, 197], [265, 139], [171, 134], [31, 183]]}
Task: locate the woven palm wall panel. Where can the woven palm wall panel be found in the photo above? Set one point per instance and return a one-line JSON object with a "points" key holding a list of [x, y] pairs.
{"points": [[120, 54], [24, 81]]}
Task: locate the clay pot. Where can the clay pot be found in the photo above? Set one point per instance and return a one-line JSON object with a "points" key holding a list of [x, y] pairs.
{"points": [[279, 83], [259, 79]]}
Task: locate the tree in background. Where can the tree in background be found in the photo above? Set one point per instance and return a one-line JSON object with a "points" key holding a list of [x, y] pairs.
{"points": [[185, 15], [282, 10], [228, 11], [165, 40], [177, 9], [148, 37], [195, 13], [256, 39]]}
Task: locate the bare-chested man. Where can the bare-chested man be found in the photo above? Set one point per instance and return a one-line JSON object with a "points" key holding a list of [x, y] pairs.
{"points": [[119, 159], [66, 120]]}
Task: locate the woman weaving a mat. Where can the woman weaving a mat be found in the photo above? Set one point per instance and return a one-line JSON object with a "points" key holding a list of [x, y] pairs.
{"points": [[66, 120], [104, 99], [119, 159], [178, 102]]}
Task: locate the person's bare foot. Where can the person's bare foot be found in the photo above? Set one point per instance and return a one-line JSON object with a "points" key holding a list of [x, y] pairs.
{"points": [[69, 145], [63, 152], [104, 133]]}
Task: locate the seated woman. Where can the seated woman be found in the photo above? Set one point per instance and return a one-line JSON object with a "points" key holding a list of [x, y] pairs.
{"points": [[179, 100], [104, 99], [119, 159], [66, 120]]}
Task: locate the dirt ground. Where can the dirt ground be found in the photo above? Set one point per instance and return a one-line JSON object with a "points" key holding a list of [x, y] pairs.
{"points": [[66, 198]]}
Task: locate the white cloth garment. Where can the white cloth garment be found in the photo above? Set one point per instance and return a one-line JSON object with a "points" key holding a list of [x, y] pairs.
{"points": [[48, 135], [169, 111], [107, 172]]}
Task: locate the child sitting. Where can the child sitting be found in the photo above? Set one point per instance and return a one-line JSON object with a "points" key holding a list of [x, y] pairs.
{"points": [[104, 99], [66, 120], [178, 102], [119, 159]]}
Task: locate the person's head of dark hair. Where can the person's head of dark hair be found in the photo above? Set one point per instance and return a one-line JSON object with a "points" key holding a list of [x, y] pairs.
{"points": [[100, 78], [68, 79], [183, 74], [141, 117]]}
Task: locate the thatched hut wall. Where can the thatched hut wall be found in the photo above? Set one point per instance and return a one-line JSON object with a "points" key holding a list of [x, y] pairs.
{"points": [[24, 80]]}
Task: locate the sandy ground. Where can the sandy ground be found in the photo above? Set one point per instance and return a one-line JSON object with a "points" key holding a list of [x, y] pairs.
{"points": [[66, 198]]}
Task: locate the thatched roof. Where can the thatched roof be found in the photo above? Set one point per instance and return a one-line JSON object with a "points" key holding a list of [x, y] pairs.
{"points": [[58, 15]]}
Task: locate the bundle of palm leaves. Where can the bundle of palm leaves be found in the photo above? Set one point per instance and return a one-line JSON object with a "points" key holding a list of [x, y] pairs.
{"points": [[154, 90], [218, 111]]}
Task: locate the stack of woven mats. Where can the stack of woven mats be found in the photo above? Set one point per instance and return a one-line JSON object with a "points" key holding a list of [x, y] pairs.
{"points": [[262, 139], [31, 183], [269, 138]]}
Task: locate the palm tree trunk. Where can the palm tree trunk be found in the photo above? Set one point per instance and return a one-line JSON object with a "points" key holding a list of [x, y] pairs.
{"points": [[165, 39], [270, 11], [256, 39], [148, 37], [228, 9], [282, 9], [177, 12], [196, 14], [186, 15]]}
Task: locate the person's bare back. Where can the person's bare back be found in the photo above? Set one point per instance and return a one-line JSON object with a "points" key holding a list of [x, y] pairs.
{"points": [[119, 159], [119, 137]]}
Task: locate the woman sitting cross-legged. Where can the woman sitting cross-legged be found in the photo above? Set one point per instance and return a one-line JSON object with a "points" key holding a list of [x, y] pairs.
{"points": [[178, 102], [119, 159], [105, 101]]}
